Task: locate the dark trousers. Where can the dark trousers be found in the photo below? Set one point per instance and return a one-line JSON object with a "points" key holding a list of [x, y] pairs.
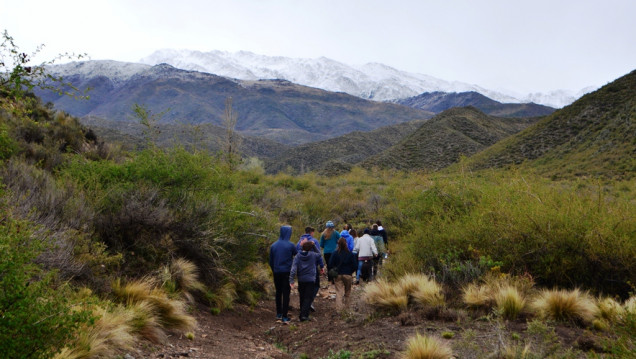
{"points": [[306, 295], [281, 282], [327, 257], [316, 286]]}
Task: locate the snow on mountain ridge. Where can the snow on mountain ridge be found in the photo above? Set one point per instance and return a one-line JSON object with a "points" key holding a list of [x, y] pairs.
{"points": [[373, 81]]}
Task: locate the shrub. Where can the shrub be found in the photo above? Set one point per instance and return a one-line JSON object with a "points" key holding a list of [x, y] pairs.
{"points": [[425, 347], [30, 301], [565, 305]]}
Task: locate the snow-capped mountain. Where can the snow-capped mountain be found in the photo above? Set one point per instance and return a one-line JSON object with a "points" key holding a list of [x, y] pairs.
{"points": [[372, 81]]}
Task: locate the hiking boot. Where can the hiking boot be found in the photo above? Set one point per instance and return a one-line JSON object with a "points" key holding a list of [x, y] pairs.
{"points": [[279, 318], [356, 282], [303, 319], [286, 320]]}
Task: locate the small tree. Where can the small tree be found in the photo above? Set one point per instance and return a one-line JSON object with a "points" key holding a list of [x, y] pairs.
{"points": [[19, 76], [232, 139], [149, 121]]}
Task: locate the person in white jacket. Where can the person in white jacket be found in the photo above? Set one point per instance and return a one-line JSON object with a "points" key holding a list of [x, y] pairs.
{"points": [[366, 249]]}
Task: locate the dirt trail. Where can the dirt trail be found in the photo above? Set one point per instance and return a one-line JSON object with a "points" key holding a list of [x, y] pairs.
{"points": [[253, 332]]}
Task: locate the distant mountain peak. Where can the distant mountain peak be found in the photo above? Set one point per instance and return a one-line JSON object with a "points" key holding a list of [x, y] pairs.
{"points": [[373, 81]]}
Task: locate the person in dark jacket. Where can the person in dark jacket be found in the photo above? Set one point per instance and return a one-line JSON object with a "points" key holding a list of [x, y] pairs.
{"points": [[347, 264], [304, 266], [384, 235], [281, 256], [309, 236]]}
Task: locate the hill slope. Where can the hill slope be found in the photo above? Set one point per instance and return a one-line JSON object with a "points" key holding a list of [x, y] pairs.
{"points": [[595, 135], [340, 153], [274, 109], [441, 101], [441, 141]]}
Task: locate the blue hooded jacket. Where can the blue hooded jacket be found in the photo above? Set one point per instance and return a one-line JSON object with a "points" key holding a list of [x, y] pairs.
{"points": [[282, 252], [304, 266], [349, 239], [308, 237]]}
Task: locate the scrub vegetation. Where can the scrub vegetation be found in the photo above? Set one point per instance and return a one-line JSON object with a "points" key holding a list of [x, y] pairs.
{"points": [[102, 248]]}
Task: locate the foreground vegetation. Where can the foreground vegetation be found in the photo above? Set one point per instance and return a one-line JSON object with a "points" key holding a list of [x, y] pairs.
{"points": [[116, 245]]}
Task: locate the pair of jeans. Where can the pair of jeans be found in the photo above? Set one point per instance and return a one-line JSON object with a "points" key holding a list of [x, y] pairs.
{"points": [[281, 282], [306, 296]]}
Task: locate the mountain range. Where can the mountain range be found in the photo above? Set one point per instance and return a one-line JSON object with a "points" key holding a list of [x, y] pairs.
{"points": [[440, 101], [372, 81], [273, 109]]}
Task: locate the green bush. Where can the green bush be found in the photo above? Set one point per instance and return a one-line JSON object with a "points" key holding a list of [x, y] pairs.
{"points": [[37, 318]]}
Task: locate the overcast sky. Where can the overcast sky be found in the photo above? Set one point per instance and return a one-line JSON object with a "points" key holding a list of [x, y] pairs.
{"points": [[524, 46]]}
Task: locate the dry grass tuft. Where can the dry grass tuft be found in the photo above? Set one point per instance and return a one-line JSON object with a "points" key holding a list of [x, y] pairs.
{"points": [[424, 347], [185, 275], [475, 295], [610, 310], [630, 305], [509, 302], [564, 305], [171, 313], [515, 352], [420, 289], [168, 312], [384, 295], [261, 278], [133, 291], [145, 323], [111, 331]]}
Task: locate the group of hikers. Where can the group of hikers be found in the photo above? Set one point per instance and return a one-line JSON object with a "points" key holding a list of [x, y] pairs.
{"points": [[341, 253]]}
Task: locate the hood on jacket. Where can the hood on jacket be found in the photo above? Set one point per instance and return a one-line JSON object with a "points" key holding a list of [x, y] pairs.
{"points": [[345, 234], [285, 233]]}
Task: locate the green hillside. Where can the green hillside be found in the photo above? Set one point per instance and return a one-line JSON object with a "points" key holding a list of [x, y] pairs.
{"points": [[595, 135], [442, 140], [339, 154]]}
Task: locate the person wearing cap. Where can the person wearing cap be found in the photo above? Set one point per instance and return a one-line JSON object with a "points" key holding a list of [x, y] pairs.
{"points": [[329, 242]]}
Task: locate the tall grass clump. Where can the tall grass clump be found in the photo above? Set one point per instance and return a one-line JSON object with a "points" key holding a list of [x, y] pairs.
{"points": [[421, 289], [170, 312], [630, 305], [610, 310], [110, 332], [181, 278], [565, 305], [386, 296], [426, 347], [509, 302]]}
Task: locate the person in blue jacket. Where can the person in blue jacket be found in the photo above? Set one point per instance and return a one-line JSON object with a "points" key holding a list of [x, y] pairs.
{"points": [[281, 256], [309, 236], [347, 236], [305, 266], [328, 242]]}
